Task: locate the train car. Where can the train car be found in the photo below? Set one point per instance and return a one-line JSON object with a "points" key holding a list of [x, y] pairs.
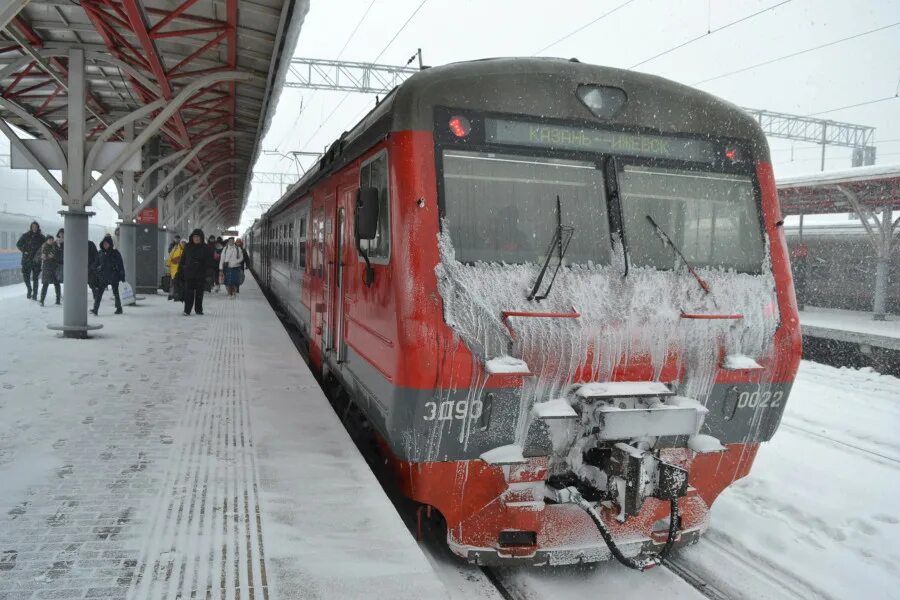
{"points": [[835, 267], [560, 293]]}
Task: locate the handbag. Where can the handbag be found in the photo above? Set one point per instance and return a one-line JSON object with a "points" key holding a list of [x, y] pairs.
{"points": [[165, 283], [242, 278]]}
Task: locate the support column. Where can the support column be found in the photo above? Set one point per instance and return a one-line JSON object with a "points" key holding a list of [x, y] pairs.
{"points": [[127, 242], [882, 267], [75, 257], [126, 227]]}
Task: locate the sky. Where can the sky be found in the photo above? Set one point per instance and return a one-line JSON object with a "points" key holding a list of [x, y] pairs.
{"points": [[859, 70]]}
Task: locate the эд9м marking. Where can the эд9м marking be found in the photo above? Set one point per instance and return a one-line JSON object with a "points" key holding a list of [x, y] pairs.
{"points": [[559, 293]]}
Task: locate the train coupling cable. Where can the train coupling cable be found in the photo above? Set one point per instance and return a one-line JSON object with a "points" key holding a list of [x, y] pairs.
{"points": [[571, 495]]}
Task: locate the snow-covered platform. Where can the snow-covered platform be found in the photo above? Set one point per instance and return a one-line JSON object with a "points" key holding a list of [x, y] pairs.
{"points": [[184, 457], [851, 326]]}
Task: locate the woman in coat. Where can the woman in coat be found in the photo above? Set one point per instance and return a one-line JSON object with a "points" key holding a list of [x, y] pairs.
{"points": [[110, 271], [51, 257], [172, 264], [231, 263]]}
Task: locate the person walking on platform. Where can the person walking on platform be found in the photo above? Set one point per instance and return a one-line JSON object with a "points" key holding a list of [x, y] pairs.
{"points": [[175, 242], [172, 264], [110, 271], [92, 279], [240, 244], [211, 278], [29, 245], [231, 264], [196, 262], [51, 255], [60, 241]]}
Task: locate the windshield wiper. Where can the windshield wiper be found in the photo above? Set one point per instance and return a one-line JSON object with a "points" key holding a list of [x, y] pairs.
{"points": [[667, 241], [560, 243]]}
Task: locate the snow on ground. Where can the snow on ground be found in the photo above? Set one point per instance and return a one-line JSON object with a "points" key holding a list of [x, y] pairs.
{"points": [[817, 517], [849, 320], [174, 457]]}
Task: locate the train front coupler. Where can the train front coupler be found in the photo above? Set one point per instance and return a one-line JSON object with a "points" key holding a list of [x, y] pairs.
{"points": [[634, 475]]}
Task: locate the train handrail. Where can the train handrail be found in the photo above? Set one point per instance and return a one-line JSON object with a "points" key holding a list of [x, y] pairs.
{"points": [[506, 314]]}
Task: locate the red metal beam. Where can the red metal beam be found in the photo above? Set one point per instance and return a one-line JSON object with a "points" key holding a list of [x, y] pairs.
{"points": [[40, 111], [193, 55], [172, 15], [199, 72], [231, 19], [140, 28], [188, 32], [19, 78]]}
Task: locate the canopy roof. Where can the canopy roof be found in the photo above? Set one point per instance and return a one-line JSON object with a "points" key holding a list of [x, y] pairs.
{"points": [[143, 51], [876, 187]]}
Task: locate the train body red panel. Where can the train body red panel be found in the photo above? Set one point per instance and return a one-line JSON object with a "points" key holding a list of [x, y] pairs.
{"points": [[542, 280]]}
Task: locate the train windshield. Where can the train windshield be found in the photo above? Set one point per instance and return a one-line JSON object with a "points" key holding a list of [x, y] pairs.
{"points": [[711, 217], [502, 208]]}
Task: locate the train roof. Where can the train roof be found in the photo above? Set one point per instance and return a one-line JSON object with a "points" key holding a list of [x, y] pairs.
{"points": [[500, 85]]}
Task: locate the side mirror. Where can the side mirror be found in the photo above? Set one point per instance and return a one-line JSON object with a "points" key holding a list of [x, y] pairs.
{"points": [[366, 213], [366, 225]]}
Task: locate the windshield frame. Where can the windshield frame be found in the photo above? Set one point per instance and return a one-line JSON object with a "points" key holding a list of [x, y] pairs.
{"points": [[609, 165]]}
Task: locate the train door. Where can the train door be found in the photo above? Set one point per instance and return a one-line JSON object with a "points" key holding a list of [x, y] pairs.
{"points": [[327, 295], [346, 199], [266, 248]]}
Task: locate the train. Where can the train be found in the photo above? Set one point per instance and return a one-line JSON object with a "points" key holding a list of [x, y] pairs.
{"points": [[838, 263], [12, 226], [560, 295]]}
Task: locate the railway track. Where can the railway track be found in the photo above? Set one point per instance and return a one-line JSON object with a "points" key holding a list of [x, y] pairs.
{"points": [[686, 574], [881, 458], [675, 566]]}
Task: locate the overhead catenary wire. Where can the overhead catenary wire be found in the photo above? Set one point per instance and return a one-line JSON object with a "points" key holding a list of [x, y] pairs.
{"points": [[380, 54], [708, 33], [866, 103], [583, 27], [793, 54], [338, 57]]}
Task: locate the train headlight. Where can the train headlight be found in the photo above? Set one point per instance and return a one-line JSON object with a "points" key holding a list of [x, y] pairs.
{"points": [[601, 100], [459, 126]]}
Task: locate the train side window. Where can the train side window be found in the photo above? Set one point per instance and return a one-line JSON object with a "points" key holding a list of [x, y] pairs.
{"points": [[291, 243], [301, 244], [375, 174]]}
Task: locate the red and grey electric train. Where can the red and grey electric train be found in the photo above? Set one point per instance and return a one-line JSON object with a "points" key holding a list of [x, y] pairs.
{"points": [[559, 293]]}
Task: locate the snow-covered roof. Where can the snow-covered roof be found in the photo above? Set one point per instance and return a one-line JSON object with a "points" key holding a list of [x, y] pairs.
{"points": [[870, 173], [876, 187]]}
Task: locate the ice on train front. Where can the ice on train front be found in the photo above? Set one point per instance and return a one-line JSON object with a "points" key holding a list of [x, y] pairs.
{"points": [[623, 312]]}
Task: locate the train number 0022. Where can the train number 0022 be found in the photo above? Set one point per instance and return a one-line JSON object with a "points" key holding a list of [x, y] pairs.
{"points": [[448, 409], [760, 399]]}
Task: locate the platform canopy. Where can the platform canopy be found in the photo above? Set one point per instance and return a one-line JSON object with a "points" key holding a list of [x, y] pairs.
{"points": [[191, 84], [876, 188]]}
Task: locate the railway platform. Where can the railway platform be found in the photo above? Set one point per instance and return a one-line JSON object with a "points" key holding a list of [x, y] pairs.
{"points": [[184, 457], [851, 326]]}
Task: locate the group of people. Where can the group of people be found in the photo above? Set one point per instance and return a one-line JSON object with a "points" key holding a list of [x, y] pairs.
{"points": [[195, 266], [198, 264], [42, 257]]}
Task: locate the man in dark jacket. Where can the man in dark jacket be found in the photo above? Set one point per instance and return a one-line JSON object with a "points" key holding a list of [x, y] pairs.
{"points": [[110, 271], [30, 245], [61, 242], [93, 280], [196, 261], [51, 256]]}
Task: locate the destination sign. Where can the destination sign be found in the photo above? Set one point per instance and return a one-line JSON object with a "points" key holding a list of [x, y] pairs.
{"points": [[561, 137]]}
